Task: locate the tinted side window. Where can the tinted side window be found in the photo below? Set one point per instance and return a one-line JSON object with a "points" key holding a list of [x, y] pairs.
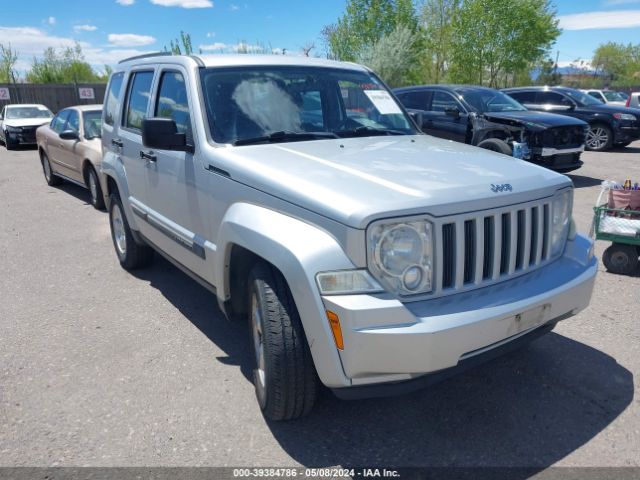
{"points": [[442, 101], [523, 97], [111, 101], [172, 101], [415, 100], [73, 121], [58, 122], [552, 98], [137, 99]]}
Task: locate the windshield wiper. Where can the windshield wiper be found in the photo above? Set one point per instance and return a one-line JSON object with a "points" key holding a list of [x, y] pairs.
{"points": [[285, 136], [364, 131]]}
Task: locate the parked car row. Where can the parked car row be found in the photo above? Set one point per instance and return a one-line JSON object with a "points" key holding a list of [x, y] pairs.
{"points": [[365, 256]]}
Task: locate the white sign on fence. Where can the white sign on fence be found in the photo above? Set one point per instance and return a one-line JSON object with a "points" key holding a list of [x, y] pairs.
{"points": [[4, 94], [86, 93]]}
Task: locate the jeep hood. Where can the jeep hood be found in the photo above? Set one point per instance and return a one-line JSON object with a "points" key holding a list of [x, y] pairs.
{"points": [[533, 120], [357, 180], [26, 122]]}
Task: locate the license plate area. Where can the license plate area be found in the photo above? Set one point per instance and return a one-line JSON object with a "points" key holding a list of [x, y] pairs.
{"points": [[530, 318]]}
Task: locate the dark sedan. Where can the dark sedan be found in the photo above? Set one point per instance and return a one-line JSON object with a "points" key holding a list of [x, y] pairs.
{"points": [[490, 119], [609, 126]]}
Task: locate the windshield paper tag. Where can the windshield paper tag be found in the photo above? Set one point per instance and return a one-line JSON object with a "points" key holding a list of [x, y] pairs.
{"points": [[383, 102]]}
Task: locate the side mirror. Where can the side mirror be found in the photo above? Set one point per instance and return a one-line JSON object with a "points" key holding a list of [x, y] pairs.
{"points": [[417, 117], [69, 135], [452, 112], [162, 134]]}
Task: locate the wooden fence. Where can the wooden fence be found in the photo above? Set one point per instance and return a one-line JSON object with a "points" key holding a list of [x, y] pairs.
{"points": [[55, 97]]}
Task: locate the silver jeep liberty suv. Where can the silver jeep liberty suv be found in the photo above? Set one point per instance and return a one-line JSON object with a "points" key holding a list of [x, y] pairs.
{"points": [[365, 255]]}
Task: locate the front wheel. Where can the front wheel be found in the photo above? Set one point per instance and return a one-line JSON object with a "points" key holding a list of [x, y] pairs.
{"points": [[621, 259], [284, 377], [130, 253], [496, 145], [51, 178], [599, 138]]}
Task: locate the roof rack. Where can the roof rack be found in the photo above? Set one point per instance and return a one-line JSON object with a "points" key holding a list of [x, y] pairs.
{"points": [[146, 55]]}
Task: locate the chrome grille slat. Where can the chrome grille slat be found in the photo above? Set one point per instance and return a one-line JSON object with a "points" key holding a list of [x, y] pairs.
{"points": [[482, 248]]}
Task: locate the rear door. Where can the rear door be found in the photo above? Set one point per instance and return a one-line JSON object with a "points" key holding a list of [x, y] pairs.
{"points": [[439, 120], [418, 101], [129, 138]]}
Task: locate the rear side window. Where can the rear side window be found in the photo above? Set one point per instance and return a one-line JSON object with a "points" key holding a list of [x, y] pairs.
{"points": [[138, 99], [111, 101], [523, 97], [58, 122], [552, 98], [415, 100], [172, 101]]}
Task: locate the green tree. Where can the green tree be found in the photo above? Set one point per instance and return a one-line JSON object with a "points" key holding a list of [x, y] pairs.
{"points": [[549, 73], [619, 63], [364, 23], [67, 65], [8, 59], [392, 56], [185, 41], [495, 38], [436, 20]]}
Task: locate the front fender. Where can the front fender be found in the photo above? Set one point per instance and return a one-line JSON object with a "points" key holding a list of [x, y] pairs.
{"points": [[113, 168], [299, 250]]}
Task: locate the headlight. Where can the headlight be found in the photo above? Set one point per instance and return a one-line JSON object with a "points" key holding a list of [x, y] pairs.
{"points": [[624, 116], [560, 220], [13, 129], [400, 255]]}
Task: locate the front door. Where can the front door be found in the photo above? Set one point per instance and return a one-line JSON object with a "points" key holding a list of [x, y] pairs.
{"points": [[441, 120]]}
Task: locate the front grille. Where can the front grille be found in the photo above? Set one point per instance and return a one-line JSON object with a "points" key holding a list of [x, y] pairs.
{"points": [[563, 137], [478, 249]]}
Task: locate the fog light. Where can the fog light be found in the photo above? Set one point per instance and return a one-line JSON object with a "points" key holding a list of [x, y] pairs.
{"points": [[412, 277]]}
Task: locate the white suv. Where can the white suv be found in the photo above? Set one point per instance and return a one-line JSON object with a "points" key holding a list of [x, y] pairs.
{"points": [[365, 255]]}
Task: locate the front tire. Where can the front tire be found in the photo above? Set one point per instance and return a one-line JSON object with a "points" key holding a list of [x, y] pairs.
{"points": [[599, 138], [95, 191], [496, 145], [621, 259], [51, 178], [284, 377], [131, 254]]}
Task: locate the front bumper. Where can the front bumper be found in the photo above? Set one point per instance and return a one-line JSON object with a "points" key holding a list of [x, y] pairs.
{"points": [[22, 138], [624, 133], [388, 341]]}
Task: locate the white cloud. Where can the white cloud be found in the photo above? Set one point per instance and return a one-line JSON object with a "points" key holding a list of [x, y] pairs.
{"points": [[130, 39], [51, 20], [184, 3], [599, 20], [213, 46], [211, 34], [84, 28], [233, 7], [126, 2]]}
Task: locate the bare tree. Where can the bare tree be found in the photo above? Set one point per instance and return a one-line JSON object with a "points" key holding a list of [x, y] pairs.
{"points": [[306, 49]]}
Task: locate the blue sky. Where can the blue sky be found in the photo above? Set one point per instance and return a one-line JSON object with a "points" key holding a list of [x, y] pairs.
{"points": [[109, 30]]}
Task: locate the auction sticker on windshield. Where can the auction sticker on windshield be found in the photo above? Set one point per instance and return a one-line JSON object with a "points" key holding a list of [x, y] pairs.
{"points": [[383, 102]]}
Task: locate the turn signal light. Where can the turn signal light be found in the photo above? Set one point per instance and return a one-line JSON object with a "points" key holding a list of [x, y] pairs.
{"points": [[334, 323]]}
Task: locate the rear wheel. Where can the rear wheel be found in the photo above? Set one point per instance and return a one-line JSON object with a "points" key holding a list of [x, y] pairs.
{"points": [[284, 376], [131, 254], [93, 184], [496, 145], [620, 258], [51, 178], [599, 138]]}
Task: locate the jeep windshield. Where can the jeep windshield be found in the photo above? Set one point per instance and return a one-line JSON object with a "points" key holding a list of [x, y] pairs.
{"points": [[485, 100], [253, 105]]}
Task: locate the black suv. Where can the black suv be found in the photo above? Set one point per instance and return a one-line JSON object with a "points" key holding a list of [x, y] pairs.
{"points": [[610, 126], [490, 119]]}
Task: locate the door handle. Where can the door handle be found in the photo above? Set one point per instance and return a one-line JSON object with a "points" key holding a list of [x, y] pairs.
{"points": [[117, 142], [148, 156]]}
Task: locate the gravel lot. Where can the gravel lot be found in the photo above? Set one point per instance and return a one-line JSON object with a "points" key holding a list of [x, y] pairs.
{"points": [[100, 367]]}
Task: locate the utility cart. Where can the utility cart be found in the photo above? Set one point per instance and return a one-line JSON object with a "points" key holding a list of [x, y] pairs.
{"points": [[622, 228]]}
